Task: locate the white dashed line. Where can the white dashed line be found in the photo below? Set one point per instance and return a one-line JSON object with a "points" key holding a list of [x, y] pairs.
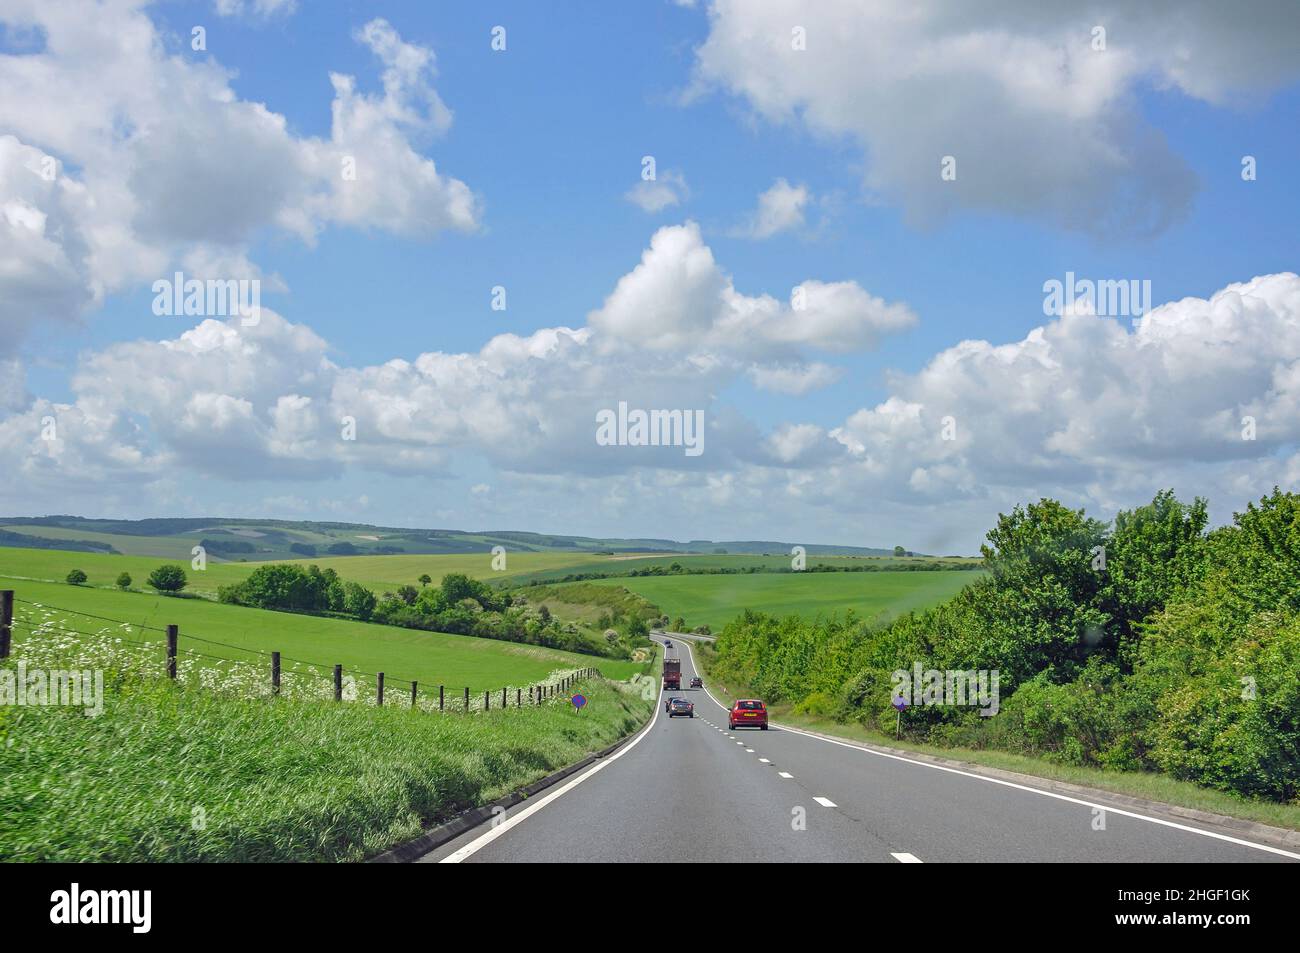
{"points": [[763, 761], [749, 751], [905, 858], [784, 774], [824, 801]]}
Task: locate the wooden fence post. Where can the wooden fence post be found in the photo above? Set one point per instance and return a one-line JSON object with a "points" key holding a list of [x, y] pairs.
{"points": [[487, 700], [440, 697], [275, 673], [172, 633], [379, 688], [519, 698], [503, 698], [6, 621], [338, 683], [413, 684]]}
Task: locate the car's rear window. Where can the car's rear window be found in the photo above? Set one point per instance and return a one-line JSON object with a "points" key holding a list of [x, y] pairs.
{"points": [[757, 706]]}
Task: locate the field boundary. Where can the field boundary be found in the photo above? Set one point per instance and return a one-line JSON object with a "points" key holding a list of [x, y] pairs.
{"points": [[539, 692]]}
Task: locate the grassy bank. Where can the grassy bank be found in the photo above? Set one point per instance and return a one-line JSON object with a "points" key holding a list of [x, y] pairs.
{"points": [[170, 773]]}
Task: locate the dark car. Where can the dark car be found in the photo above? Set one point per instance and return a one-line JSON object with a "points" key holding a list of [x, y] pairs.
{"points": [[697, 682], [668, 643], [680, 706], [747, 713]]}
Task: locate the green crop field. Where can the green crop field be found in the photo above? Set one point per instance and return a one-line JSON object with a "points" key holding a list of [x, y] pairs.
{"points": [[432, 658], [631, 562], [380, 573], [715, 600]]}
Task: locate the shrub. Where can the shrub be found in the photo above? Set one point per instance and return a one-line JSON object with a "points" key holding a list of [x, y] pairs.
{"points": [[76, 577], [358, 601], [124, 580], [168, 578]]}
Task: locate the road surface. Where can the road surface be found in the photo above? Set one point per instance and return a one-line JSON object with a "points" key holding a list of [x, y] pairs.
{"points": [[687, 790]]}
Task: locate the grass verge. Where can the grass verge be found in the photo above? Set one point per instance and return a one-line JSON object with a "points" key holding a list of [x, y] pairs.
{"points": [[170, 773]]}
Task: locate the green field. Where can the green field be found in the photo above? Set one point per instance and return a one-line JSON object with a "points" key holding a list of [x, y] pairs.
{"points": [[431, 658], [380, 573], [625, 563], [716, 600]]}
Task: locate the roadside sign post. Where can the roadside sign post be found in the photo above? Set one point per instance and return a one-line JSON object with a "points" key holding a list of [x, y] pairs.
{"points": [[899, 704]]}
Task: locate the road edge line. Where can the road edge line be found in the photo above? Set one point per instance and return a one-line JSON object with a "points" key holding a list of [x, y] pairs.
{"points": [[412, 850], [474, 846], [1274, 835]]}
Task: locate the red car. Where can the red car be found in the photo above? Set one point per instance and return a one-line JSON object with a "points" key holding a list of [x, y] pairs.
{"points": [[747, 713]]}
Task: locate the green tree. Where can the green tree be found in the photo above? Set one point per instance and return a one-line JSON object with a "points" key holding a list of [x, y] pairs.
{"points": [[76, 577], [900, 551], [1253, 566], [425, 579], [1037, 608], [168, 578], [1153, 552], [124, 580], [359, 601], [277, 586], [408, 594]]}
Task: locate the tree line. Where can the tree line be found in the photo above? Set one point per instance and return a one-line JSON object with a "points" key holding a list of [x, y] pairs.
{"points": [[1150, 643]]}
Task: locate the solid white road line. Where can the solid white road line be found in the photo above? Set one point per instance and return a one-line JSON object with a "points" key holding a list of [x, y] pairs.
{"points": [[1024, 787], [784, 774], [905, 858], [824, 801], [483, 840]]}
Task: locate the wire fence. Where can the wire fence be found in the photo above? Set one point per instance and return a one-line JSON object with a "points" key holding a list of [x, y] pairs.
{"points": [[50, 636]]}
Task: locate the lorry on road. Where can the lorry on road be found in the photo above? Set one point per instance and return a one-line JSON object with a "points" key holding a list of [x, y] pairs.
{"points": [[672, 674]]}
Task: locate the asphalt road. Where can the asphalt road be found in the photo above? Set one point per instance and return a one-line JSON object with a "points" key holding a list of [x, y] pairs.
{"points": [[688, 790]]}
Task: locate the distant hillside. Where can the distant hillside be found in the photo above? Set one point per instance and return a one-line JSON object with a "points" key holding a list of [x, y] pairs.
{"points": [[256, 540], [23, 541]]}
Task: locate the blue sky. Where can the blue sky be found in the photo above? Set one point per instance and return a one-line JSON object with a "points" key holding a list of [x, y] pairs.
{"points": [[549, 136]]}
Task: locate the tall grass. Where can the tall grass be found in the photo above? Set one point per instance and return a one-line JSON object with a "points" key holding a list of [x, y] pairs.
{"points": [[210, 769]]}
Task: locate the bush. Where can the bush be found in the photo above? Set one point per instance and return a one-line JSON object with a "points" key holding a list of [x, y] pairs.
{"points": [[358, 601], [168, 578], [124, 580], [76, 577]]}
